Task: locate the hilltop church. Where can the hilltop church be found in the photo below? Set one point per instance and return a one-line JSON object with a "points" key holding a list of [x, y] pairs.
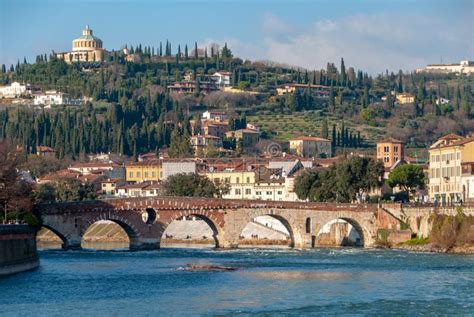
{"points": [[86, 48]]}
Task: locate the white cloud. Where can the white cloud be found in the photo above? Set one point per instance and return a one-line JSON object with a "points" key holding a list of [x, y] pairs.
{"points": [[369, 42]]}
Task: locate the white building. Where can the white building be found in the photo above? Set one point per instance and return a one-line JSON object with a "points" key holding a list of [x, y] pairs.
{"points": [[15, 90], [53, 97], [222, 78], [464, 67], [214, 115], [177, 166]]}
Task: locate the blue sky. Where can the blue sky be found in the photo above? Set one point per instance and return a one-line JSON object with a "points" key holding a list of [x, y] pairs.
{"points": [[373, 35]]}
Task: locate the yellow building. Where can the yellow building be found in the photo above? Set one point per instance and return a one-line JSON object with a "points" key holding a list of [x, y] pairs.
{"points": [[86, 48], [143, 171], [239, 177], [405, 98], [307, 146], [446, 157]]}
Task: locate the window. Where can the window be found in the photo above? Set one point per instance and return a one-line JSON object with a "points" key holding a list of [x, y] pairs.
{"points": [[269, 193], [139, 174], [227, 179], [130, 174], [395, 149], [308, 225], [248, 191], [237, 180], [248, 180], [237, 191], [280, 192], [153, 174], [146, 174], [258, 193]]}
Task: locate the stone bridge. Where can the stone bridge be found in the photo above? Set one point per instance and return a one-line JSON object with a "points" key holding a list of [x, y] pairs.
{"points": [[145, 219]]}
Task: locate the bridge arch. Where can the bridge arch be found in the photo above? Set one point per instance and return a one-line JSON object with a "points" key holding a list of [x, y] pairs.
{"points": [[283, 217], [64, 240], [361, 231], [132, 232], [214, 224]]}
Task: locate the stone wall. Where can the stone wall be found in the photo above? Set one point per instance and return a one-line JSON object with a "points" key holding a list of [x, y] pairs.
{"points": [[17, 249]]}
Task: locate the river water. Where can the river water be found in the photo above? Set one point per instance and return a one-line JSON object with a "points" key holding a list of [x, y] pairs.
{"points": [[268, 282]]}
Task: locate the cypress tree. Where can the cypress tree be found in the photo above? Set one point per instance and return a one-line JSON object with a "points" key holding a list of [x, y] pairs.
{"points": [[343, 73], [325, 132]]}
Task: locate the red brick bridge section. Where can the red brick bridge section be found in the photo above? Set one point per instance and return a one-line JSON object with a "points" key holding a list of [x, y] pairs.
{"points": [[145, 219]]}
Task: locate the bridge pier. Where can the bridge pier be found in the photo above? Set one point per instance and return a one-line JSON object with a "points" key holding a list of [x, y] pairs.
{"points": [[71, 246], [144, 244]]}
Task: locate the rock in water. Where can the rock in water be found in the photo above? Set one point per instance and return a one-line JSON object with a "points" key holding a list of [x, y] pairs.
{"points": [[209, 267]]}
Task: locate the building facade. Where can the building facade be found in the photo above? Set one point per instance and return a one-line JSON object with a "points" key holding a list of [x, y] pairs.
{"points": [[447, 156], [390, 151], [144, 171], [307, 146]]}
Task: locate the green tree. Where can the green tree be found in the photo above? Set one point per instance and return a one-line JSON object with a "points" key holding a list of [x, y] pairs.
{"points": [[192, 185], [408, 177]]}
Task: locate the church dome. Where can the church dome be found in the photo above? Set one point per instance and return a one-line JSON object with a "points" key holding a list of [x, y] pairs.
{"points": [[87, 41]]}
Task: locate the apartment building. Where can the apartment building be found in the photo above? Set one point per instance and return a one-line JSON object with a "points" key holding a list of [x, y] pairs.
{"points": [[447, 156]]}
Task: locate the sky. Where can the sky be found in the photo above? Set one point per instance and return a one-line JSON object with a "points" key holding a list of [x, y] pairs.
{"points": [[371, 35]]}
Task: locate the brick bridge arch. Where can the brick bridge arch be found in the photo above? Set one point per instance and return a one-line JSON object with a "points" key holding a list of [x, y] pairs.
{"points": [[126, 224], [249, 214], [212, 219]]}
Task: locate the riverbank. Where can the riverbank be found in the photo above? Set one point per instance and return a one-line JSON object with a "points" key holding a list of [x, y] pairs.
{"points": [[430, 247], [18, 251]]}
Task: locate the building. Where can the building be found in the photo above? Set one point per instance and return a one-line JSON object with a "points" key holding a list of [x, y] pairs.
{"points": [[316, 90], [202, 143], [86, 48], [307, 146], [214, 128], [172, 167], [53, 97], [222, 78], [189, 87], [238, 175], [390, 151], [45, 151], [463, 67], [404, 98], [109, 185], [15, 90], [214, 115], [249, 138], [467, 180], [93, 167], [143, 171], [447, 156]]}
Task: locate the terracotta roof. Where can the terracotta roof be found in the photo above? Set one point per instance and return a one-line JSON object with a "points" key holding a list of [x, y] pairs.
{"points": [[94, 165], [41, 148], [154, 162], [305, 86], [309, 138], [247, 131], [451, 136]]}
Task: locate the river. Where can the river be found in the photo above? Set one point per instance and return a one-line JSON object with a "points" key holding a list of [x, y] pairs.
{"points": [[268, 282]]}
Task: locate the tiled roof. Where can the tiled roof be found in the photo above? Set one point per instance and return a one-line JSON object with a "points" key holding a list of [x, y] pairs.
{"points": [[309, 138]]}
